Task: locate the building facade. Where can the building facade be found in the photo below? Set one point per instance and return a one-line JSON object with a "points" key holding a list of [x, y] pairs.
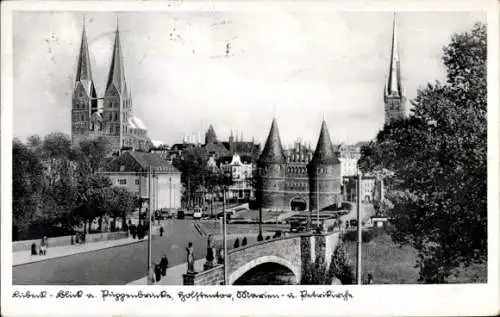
{"points": [[240, 171], [394, 97], [349, 156], [299, 181], [110, 115], [130, 170], [370, 188]]}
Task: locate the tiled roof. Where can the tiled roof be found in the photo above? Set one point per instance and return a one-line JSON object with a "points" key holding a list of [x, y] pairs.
{"points": [[324, 153], [140, 162], [273, 150]]}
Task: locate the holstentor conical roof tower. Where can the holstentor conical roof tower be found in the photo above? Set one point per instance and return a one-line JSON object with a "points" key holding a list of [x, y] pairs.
{"points": [[271, 166], [324, 171]]}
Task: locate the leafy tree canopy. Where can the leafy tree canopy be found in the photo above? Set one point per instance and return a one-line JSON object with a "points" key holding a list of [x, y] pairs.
{"points": [[437, 158]]}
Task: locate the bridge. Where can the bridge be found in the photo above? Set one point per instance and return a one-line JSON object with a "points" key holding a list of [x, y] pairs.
{"points": [[291, 252]]}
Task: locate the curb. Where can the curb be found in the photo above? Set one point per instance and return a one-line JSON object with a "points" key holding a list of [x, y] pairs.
{"points": [[87, 251], [199, 229]]}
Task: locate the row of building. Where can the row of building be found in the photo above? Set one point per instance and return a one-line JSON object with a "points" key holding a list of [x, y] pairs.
{"points": [[296, 178]]}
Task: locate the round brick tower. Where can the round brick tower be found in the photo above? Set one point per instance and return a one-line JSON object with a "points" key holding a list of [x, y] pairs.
{"points": [[271, 171], [324, 173]]}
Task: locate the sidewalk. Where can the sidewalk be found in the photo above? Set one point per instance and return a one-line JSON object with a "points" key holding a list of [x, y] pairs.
{"points": [[174, 274], [25, 257]]}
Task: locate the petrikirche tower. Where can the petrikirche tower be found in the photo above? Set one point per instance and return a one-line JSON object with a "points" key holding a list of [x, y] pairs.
{"points": [[394, 98], [109, 116]]}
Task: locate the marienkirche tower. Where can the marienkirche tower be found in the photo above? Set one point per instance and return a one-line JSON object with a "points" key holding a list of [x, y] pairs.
{"points": [[109, 116]]}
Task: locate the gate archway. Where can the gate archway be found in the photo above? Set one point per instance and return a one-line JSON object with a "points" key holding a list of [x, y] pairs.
{"points": [[298, 204]]}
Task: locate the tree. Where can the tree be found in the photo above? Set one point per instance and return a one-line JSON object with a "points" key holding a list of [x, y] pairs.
{"points": [[92, 198], [237, 243], [340, 266], [95, 150], [437, 192], [27, 186], [120, 202]]}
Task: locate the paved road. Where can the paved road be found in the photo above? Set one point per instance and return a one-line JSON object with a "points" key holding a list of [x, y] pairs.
{"points": [[114, 266]]}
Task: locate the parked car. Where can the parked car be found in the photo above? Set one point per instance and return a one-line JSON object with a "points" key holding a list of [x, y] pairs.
{"points": [[180, 214]]}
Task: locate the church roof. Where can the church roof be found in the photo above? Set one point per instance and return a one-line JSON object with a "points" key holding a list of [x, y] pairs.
{"points": [[273, 150], [136, 123], [116, 75], [324, 153], [210, 136]]}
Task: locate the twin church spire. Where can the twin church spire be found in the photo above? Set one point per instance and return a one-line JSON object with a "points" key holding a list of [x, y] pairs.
{"points": [[116, 76]]}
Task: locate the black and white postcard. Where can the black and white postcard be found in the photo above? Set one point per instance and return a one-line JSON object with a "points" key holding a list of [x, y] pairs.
{"points": [[249, 158]]}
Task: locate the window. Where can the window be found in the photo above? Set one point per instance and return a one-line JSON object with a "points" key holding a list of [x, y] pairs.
{"points": [[122, 181], [137, 182]]}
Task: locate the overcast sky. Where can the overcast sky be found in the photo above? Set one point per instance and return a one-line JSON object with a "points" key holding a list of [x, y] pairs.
{"points": [[306, 65]]}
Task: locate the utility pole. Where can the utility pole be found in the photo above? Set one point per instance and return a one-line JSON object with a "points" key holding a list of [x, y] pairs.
{"points": [[224, 242], [358, 212], [260, 220], [170, 193], [149, 223]]}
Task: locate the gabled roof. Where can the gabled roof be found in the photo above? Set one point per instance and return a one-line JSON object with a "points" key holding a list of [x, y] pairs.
{"points": [[273, 150], [140, 162], [324, 153]]}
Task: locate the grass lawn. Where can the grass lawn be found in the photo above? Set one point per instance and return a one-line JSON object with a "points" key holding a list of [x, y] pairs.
{"points": [[391, 264]]}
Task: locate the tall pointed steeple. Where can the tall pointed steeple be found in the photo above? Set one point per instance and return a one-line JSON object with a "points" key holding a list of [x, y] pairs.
{"points": [[210, 136], [273, 150], [393, 85], [394, 99], [84, 69], [116, 75], [324, 153]]}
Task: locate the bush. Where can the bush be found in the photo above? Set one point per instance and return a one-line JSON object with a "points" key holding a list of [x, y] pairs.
{"points": [[244, 241], [237, 243], [340, 266], [277, 234], [315, 273], [260, 237], [268, 237], [366, 235]]}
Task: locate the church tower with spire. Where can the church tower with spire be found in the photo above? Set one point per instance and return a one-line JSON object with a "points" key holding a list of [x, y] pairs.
{"points": [[116, 97], [271, 168], [109, 116], [394, 98], [84, 99]]}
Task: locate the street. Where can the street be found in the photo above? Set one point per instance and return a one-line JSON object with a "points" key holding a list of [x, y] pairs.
{"points": [[113, 266]]}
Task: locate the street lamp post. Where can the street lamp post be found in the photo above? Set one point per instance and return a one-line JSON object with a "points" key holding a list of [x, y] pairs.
{"points": [[224, 242], [358, 213], [170, 193], [149, 223]]}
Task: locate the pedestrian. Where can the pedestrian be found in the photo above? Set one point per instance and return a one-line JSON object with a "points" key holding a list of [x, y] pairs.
{"points": [[33, 249], [164, 265], [133, 231], [370, 279], [157, 272], [161, 231], [43, 246]]}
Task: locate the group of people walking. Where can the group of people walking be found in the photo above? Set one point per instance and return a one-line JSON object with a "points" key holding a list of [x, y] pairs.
{"points": [[138, 231]]}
